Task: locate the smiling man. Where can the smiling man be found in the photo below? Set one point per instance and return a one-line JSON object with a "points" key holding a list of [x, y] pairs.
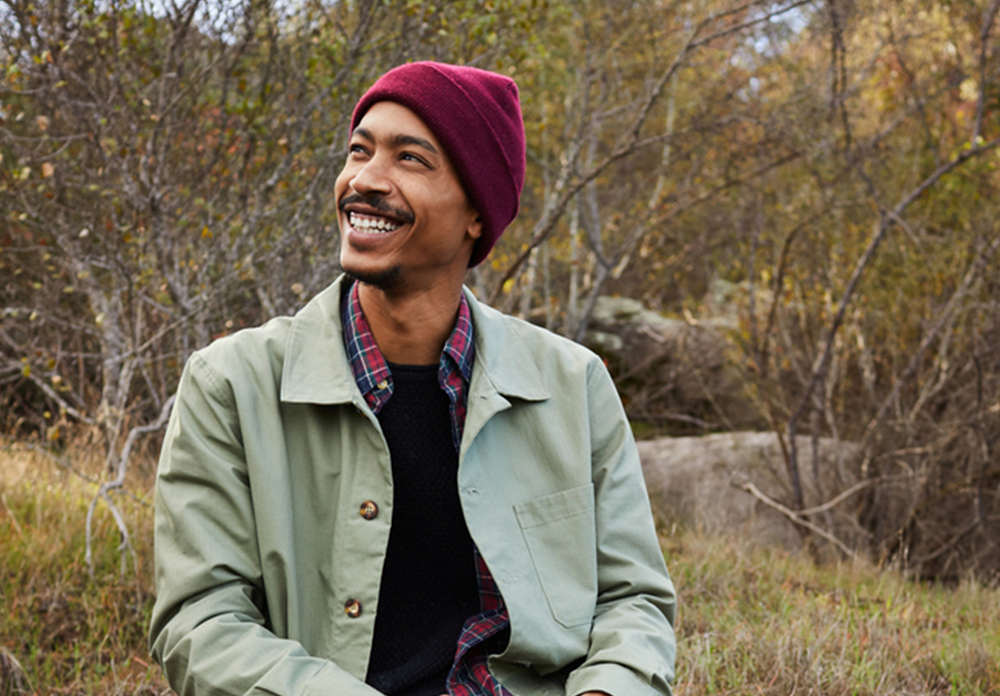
{"points": [[399, 490]]}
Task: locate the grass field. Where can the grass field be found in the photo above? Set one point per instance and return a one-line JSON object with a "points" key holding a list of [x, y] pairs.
{"points": [[752, 621]]}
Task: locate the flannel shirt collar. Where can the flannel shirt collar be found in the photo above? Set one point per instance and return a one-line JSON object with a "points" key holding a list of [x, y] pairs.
{"points": [[370, 369]]}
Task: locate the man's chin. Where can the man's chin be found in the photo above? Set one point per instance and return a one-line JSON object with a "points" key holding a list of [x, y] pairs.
{"points": [[385, 280]]}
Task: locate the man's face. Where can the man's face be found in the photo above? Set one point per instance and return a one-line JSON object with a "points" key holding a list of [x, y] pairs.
{"points": [[405, 219]]}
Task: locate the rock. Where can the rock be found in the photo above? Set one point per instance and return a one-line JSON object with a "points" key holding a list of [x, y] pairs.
{"points": [[665, 365], [695, 482], [610, 311]]}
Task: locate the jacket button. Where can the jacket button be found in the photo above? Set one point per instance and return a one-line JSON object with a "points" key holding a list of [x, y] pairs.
{"points": [[352, 608], [369, 510]]}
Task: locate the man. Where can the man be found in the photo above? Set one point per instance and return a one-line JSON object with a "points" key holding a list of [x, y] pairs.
{"points": [[401, 491]]}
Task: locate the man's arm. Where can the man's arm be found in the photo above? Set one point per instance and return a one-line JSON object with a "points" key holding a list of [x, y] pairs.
{"points": [[209, 629], [632, 642]]}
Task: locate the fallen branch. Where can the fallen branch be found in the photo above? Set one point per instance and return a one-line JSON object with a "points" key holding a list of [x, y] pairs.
{"points": [[796, 518], [856, 488]]}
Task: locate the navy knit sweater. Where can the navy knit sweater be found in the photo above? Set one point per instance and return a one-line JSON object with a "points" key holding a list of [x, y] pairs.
{"points": [[429, 585]]}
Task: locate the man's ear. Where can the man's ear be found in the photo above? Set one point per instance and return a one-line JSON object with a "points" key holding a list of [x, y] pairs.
{"points": [[475, 228]]}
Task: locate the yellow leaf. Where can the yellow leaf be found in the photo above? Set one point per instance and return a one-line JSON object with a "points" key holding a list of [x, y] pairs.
{"points": [[47, 170], [43, 123], [206, 233]]}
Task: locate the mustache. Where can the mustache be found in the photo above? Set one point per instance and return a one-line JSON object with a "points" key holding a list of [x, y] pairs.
{"points": [[378, 202]]}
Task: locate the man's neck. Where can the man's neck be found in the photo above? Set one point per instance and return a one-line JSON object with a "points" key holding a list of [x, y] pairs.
{"points": [[412, 328]]}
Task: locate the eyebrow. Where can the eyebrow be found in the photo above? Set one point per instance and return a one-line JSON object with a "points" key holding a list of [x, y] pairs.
{"points": [[400, 140]]}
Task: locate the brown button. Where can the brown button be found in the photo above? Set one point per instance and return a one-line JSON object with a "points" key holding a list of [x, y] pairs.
{"points": [[369, 510], [353, 608]]}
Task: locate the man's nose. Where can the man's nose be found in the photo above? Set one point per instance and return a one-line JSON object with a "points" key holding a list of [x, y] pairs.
{"points": [[372, 177]]}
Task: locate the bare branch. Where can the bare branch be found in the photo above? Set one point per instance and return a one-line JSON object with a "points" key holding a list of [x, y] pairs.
{"points": [[118, 482], [974, 150], [797, 518], [63, 405], [749, 23]]}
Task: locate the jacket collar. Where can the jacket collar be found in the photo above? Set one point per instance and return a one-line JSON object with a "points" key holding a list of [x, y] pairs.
{"points": [[502, 355], [316, 369]]}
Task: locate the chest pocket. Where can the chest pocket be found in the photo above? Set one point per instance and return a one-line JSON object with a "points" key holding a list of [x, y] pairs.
{"points": [[559, 530]]}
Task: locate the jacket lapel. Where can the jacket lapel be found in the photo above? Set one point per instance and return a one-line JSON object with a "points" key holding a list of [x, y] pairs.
{"points": [[316, 370], [504, 368]]}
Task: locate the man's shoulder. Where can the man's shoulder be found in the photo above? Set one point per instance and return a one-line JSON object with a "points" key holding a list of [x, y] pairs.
{"points": [[547, 349], [266, 341], [546, 339]]}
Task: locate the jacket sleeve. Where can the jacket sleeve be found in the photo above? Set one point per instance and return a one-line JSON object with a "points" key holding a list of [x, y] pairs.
{"points": [[209, 628], [632, 642]]}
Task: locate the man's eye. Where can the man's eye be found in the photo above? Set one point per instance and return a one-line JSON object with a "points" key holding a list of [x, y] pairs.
{"points": [[355, 149], [411, 158]]}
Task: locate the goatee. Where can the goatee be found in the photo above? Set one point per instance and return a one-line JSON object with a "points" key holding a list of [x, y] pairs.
{"points": [[386, 281]]}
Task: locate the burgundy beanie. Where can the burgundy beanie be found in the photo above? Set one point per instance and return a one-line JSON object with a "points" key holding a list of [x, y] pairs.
{"points": [[476, 116]]}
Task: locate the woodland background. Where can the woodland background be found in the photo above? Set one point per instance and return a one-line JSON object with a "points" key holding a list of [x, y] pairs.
{"points": [[828, 168]]}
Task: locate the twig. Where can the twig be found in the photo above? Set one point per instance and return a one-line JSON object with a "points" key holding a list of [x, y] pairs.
{"points": [[732, 29], [856, 488], [796, 518], [63, 405]]}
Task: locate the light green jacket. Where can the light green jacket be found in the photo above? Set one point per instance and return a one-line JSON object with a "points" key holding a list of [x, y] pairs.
{"points": [[271, 451]]}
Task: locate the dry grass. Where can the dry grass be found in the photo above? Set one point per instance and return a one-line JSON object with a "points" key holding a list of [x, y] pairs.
{"points": [[71, 633], [757, 621], [752, 621]]}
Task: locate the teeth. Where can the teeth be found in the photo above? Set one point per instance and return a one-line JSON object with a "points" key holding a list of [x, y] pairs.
{"points": [[370, 224]]}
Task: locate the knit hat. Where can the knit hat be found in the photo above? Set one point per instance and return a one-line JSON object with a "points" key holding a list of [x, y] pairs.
{"points": [[476, 116]]}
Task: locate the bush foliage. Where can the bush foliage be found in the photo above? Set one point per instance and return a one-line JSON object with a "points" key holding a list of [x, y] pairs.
{"points": [[166, 168]]}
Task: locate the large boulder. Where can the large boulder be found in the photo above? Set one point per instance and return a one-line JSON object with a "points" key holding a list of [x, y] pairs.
{"points": [[696, 482], [680, 374]]}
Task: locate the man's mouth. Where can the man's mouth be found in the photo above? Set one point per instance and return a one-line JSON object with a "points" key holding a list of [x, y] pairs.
{"points": [[372, 224]]}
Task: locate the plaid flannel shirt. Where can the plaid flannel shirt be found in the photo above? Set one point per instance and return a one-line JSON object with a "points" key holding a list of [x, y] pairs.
{"points": [[469, 675]]}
